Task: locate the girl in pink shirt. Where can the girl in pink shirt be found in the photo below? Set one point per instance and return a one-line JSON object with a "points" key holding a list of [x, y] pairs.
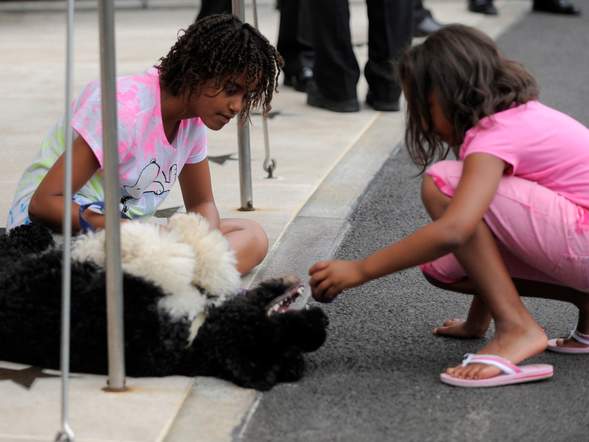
{"points": [[510, 218], [219, 68]]}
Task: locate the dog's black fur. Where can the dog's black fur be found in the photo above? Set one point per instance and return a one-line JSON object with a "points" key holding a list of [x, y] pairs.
{"points": [[238, 341]]}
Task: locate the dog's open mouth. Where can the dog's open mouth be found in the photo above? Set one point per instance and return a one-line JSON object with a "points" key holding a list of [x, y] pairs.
{"points": [[293, 299]]}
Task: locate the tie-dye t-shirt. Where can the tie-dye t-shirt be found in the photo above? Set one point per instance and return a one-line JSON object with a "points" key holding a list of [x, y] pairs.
{"points": [[148, 164]]}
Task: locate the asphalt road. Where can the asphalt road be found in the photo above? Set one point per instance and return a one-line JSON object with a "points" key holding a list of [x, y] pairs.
{"points": [[376, 378]]}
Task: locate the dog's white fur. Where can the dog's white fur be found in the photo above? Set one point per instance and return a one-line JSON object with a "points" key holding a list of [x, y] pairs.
{"points": [[180, 257], [215, 269]]}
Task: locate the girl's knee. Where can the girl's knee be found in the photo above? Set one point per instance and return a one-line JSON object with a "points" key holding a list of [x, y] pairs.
{"points": [[433, 281], [434, 201], [247, 238], [428, 272], [259, 238], [429, 190], [438, 186], [444, 271]]}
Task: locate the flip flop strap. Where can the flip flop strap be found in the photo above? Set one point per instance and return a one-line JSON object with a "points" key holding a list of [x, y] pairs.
{"points": [[496, 361], [580, 337]]}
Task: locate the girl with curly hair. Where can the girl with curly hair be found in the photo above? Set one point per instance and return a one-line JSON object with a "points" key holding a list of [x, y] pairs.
{"points": [[218, 68], [510, 217]]}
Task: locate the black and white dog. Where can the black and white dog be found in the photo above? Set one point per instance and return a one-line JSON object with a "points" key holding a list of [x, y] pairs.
{"points": [[184, 311]]}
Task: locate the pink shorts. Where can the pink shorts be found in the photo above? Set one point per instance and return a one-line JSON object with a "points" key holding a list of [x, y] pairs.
{"points": [[541, 235]]}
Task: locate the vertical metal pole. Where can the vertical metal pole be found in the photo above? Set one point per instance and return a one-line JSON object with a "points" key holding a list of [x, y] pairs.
{"points": [[66, 434], [114, 278], [269, 164], [243, 138]]}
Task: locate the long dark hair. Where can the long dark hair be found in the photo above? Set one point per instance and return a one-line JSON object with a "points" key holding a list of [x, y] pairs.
{"points": [[471, 80], [221, 48]]}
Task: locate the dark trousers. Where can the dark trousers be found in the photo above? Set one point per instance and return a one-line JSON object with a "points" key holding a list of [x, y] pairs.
{"points": [[419, 11], [294, 34], [295, 39], [210, 7], [336, 70]]}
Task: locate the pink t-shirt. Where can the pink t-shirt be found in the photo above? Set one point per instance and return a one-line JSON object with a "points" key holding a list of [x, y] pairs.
{"points": [[148, 164], [539, 144]]}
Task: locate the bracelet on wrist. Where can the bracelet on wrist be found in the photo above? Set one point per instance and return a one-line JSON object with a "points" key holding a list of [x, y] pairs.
{"points": [[85, 226]]}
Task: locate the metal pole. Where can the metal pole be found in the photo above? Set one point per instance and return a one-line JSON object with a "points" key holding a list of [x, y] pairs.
{"points": [[66, 434], [269, 164], [245, 167], [114, 278], [243, 138]]}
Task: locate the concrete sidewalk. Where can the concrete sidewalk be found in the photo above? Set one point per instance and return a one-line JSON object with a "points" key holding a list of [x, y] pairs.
{"points": [[325, 160]]}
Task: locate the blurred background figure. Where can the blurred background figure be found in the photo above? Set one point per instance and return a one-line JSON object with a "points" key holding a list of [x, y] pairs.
{"points": [[336, 71], [556, 6], [210, 7], [294, 37], [295, 43], [394, 25], [424, 22], [565, 7], [482, 6]]}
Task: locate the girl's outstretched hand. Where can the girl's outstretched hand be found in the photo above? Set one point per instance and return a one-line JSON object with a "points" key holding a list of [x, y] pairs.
{"points": [[329, 278]]}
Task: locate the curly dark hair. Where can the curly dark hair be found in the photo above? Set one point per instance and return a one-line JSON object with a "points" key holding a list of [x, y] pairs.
{"points": [[221, 48], [471, 80]]}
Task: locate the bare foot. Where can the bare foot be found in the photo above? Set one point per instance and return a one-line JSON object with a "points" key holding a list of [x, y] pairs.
{"points": [[459, 328], [577, 339], [582, 331], [515, 346], [570, 343]]}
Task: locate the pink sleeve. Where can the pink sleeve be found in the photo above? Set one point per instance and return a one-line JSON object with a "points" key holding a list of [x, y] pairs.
{"points": [[199, 150], [494, 141], [87, 122]]}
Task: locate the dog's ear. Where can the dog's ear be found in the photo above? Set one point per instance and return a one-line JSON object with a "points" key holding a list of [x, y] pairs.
{"points": [[24, 240], [292, 366], [305, 329]]}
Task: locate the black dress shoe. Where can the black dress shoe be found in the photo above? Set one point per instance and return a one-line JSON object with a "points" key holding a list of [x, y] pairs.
{"points": [[556, 7], [298, 80], [382, 105], [428, 25], [316, 99], [482, 7]]}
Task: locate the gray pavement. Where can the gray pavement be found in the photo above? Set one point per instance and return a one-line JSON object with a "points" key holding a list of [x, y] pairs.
{"points": [[376, 378]]}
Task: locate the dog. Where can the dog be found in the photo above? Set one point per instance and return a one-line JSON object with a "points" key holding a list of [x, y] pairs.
{"points": [[184, 312]]}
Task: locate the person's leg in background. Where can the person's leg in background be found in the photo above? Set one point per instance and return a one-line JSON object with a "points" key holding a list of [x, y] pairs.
{"points": [[210, 7], [424, 22], [305, 35], [390, 24], [565, 7], [295, 43], [482, 7], [336, 70]]}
